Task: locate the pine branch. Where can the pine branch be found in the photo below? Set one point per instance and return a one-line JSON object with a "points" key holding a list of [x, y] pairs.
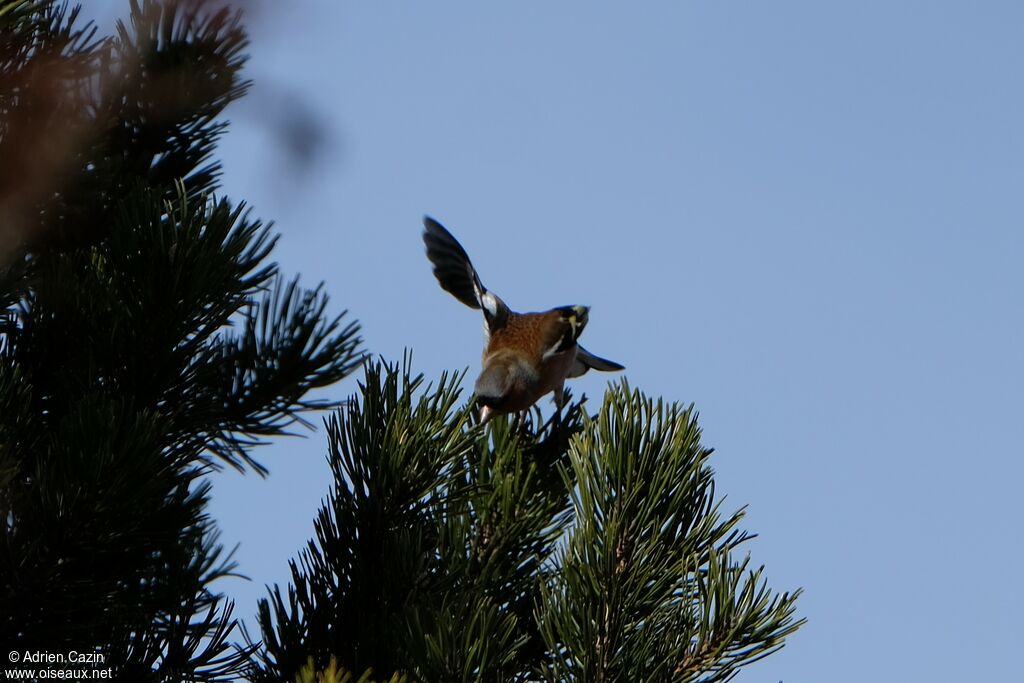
{"points": [[593, 549], [648, 590], [394, 451], [84, 120], [123, 379]]}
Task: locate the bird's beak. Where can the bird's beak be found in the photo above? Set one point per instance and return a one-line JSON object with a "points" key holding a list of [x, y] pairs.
{"points": [[486, 413]]}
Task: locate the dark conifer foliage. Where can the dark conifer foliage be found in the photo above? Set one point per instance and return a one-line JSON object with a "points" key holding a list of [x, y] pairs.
{"points": [[146, 338], [579, 549]]}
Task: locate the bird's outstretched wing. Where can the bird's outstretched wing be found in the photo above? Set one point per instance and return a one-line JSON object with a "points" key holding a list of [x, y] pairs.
{"points": [[585, 360], [456, 274]]}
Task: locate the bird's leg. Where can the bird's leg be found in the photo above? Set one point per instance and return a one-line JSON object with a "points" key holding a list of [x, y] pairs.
{"points": [[560, 396], [559, 402], [518, 427]]}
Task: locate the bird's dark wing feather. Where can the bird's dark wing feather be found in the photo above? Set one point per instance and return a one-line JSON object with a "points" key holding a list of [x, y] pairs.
{"points": [[456, 274], [585, 360], [452, 266]]}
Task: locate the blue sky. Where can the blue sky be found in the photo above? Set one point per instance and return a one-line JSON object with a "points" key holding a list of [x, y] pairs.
{"points": [[804, 217]]}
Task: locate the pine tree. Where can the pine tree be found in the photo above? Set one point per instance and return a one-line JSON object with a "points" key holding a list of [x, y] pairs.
{"points": [[146, 339], [577, 549]]}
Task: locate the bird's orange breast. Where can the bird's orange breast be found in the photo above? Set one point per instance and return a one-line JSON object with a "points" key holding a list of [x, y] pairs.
{"points": [[528, 334], [526, 337]]}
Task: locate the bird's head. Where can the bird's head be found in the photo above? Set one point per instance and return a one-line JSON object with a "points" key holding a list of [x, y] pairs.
{"points": [[505, 385], [492, 390]]}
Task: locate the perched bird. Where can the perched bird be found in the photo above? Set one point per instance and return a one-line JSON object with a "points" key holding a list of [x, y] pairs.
{"points": [[526, 355]]}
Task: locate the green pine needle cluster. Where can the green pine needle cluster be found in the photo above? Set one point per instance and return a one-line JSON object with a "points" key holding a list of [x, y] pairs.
{"points": [[335, 674], [649, 588], [580, 549]]}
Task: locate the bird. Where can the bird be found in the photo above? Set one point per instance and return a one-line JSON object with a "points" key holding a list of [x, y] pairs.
{"points": [[526, 355]]}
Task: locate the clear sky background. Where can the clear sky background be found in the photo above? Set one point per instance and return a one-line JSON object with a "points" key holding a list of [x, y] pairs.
{"points": [[804, 217]]}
